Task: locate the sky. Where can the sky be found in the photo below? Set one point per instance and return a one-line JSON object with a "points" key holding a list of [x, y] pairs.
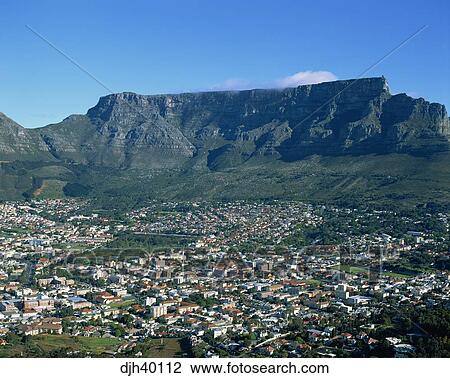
{"points": [[160, 46]]}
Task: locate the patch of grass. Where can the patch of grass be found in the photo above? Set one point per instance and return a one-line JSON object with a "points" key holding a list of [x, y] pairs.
{"points": [[313, 282], [149, 242], [99, 344], [15, 230], [50, 189], [124, 304], [102, 255], [43, 345], [12, 350], [161, 348], [72, 246], [396, 275], [96, 345], [351, 269]]}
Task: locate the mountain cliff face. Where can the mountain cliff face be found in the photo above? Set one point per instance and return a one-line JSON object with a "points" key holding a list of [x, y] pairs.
{"points": [[164, 131], [216, 131], [17, 143]]}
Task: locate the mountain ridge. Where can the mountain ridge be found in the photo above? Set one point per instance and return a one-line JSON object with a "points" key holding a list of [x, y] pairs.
{"points": [[224, 130]]}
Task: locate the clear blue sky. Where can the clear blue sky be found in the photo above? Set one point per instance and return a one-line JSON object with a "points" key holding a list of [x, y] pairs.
{"points": [[172, 46]]}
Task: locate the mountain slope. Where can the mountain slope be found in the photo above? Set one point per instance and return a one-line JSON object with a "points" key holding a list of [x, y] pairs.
{"points": [[178, 141], [17, 143]]}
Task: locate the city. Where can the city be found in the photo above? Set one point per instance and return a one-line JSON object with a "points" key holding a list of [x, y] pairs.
{"points": [[222, 279]]}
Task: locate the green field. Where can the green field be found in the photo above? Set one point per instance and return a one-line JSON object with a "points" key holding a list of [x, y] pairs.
{"points": [[126, 247], [62, 345], [155, 348], [43, 345], [89, 344], [396, 275], [313, 282], [125, 304], [350, 269], [50, 189], [14, 230]]}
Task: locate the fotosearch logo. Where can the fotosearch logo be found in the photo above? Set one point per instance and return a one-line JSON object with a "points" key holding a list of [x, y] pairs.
{"points": [[188, 368]]}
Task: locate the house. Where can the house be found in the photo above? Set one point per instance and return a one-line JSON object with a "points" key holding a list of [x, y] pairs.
{"points": [[29, 313], [106, 297], [404, 350], [186, 307], [358, 299], [7, 306], [41, 302], [393, 340], [317, 304], [79, 302], [157, 310], [268, 350], [150, 301], [46, 325], [314, 335], [111, 311], [220, 331]]}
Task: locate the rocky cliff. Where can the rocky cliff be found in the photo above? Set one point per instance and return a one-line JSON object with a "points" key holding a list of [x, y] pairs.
{"points": [[164, 131], [217, 131], [18, 143]]}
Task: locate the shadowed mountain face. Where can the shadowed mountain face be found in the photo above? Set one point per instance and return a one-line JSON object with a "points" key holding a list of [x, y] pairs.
{"points": [[218, 131], [18, 143]]}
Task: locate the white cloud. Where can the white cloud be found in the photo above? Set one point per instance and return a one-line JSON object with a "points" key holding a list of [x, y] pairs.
{"points": [[232, 84], [305, 77], [299, 78], [413, 94]]}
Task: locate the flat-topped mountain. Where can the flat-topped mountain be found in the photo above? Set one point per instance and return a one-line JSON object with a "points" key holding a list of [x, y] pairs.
{"points": [[222, 131]]}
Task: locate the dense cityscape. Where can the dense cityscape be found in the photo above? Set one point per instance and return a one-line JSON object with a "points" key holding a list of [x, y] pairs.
{"points": [[242, 279]]}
